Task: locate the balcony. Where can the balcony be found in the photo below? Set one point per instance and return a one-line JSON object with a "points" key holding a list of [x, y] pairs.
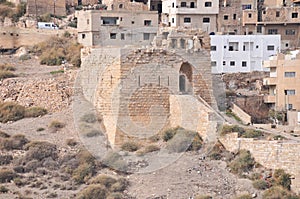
{"points": [[270, 64], [270, 99], [270, 81]]}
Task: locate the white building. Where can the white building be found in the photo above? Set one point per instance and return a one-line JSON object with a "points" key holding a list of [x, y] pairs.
{"points": [[191, 14], [242, 53]]}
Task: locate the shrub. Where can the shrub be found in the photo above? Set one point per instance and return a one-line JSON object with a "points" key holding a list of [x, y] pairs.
{"points": [[10, 111], [15, 142], [276, 192], [39, 150], [5, 159], [56, 71], [250, 133], [243, 162], [244, 196], [114, 161], [169, 134], [260, 184], [104, 180], [35, 112], [89, 118], [231, 114], [83, 173], [120, 185], [40, 129], [7, 67], [93, 191], [130, 146], [203, 197], [67, 34], [184, 140], [93, 133], [24, 57], [45, 18], [6, 175], [115, 196], [232, 128], [84, 156], [282, 179], [154, 138], [56, 125], [6, 74], [216, 152], [71, 142], [4, 135], [3, 189], [151, 148]]}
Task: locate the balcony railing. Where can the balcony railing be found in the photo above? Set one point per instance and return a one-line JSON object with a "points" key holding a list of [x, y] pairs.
{"points": [[270, 99], [269, 81]]}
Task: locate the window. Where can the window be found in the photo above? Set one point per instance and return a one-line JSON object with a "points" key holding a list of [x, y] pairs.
{"points": [[206, 20], [270, 47], [146, 36], [225, 17], [295, 15], [232, 63], [286, 44], [213, 48], [173, 5], [289, 74], [207, 4], [183, 4], [290, 32], [289, 92], [234, 17], [233, 46], [113, 35], [173, 20], [122, 36], [249, 15], [277, 14], [213, 63], [147, 22], [132, 22], [246, 7], [289, 106], [244, 64], [109, 20], [88, 21], [83, 36], [272, 31], [187, 20], [192, 5], [259, 29], [120, 5], [224, 63]]}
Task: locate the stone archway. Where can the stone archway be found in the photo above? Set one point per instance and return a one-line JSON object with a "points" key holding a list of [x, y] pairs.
{"points": [[186, 79]]}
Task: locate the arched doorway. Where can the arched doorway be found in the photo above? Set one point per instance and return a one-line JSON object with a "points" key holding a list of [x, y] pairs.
{"points": [[186, 79]]}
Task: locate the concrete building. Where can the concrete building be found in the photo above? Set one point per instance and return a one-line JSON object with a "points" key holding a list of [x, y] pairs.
{"points": [[191, 14], [116, 27], [284, 82], [242, 53]]}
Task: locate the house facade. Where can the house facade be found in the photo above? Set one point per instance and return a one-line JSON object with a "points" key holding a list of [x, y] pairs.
{"points": [[242, 53]]}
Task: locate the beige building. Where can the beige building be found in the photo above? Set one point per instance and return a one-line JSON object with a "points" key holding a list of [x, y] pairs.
{"points": [[284, 82], [116, 27], [41, 7], [191, 14]]}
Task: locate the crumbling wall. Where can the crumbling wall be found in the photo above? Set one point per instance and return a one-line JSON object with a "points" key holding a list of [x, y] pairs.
{"points": [[277, 154]]}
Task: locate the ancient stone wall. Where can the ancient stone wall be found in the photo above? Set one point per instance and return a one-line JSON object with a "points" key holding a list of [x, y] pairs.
{"points": [[41, 7], [279, 154], [246, 119]]}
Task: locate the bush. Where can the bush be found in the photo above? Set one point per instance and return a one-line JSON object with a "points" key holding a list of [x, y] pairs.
{"points": [[184, 140], [120, 185], [56, 125], [7, 67], [3, 189], [71, 142], [276, 192], [154, 138], [93, 133], [93, 191], [57, 49], [203, 197], [57, 72], [10, 111], [35, 112], [83, 173], [89, 118], [15, 142], [104, 180], [151, 148], [24, 57], [244, 196], [243, 162], [232, 128], [169, 134], [115, 196], [282, 179], [260, 184], [6, 74], [67, 34], [4, 135], [130, 146], [250, 133], [6, 175], [5, 159], [114, 161], [39, 150]]}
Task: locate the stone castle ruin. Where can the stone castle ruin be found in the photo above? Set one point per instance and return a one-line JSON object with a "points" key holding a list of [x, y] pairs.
{"points": [[142, 91]]}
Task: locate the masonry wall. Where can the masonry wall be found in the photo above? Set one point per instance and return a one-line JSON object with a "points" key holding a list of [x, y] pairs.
{"points": [[41, 7], [271, 154]]}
